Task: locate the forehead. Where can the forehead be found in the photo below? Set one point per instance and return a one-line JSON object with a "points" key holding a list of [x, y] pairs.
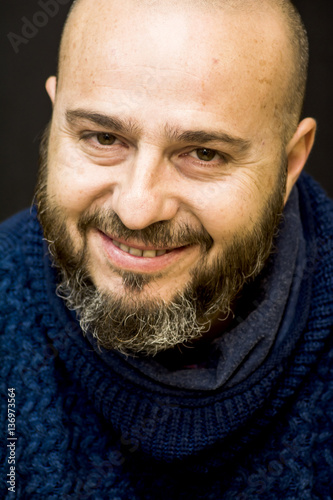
{"points": [[126, 55]]}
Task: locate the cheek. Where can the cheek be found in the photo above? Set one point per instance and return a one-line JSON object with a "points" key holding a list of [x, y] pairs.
{"points": [[74, 184], [228, 208]]}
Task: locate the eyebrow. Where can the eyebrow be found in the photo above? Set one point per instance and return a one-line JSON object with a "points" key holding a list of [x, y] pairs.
{"points": [[108, 122], [203, 137], [198, 137]]}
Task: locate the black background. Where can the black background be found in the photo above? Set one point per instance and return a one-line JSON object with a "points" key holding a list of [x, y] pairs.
{"points": [[25, 108]]}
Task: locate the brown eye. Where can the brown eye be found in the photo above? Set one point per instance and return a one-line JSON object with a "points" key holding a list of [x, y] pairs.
{"points": [[105, 139], [205, 154]]}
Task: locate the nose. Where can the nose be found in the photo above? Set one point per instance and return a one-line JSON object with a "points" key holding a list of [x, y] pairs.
{"points": [[147, 192]]}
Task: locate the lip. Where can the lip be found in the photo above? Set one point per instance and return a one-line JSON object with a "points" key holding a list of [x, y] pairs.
{"points": [[126, 261]]}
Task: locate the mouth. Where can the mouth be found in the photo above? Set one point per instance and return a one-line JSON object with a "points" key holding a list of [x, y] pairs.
{"points": [[140, 258], [140, 251]]}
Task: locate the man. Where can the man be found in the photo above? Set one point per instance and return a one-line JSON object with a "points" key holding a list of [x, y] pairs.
{"points": [[170, 337]]}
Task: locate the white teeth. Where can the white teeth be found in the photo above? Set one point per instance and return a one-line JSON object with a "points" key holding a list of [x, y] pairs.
{"points": [[149, 253], [124, 247], [137, 252]]}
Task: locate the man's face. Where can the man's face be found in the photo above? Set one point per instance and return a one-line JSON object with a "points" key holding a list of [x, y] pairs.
{"points": [[164, 156]]}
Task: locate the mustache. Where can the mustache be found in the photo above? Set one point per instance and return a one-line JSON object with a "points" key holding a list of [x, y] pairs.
{"points": [[161, 233]]}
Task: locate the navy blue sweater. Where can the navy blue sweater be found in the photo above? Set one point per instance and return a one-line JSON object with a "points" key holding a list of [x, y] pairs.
{"points": [[88, 429]]}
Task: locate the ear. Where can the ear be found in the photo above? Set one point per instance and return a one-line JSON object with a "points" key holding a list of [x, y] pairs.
{"points": [[298, 150], [51, 87]]}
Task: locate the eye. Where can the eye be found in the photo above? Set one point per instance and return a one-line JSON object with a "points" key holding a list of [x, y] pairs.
{"points": [[105, 139], [205, 154], [211, 157]]}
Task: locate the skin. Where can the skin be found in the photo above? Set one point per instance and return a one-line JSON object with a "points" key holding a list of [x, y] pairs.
{"points": [[170, 70]]}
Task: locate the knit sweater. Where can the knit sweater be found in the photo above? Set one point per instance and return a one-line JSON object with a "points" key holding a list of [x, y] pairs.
{"points": [[87, 429]]}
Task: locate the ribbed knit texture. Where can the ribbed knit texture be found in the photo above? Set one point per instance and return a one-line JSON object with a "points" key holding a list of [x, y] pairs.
{"points": [[88, 430]]}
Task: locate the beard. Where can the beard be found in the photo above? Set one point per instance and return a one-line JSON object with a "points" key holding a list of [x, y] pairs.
{"points": [[133, 324]]}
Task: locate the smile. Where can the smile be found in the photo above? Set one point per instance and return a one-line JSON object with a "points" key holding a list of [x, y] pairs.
{"points": [[140, 253], [140, 258]]}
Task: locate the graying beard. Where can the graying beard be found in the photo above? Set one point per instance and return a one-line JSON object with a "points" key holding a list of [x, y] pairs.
{"points": [[137, 331], [131, 328]]}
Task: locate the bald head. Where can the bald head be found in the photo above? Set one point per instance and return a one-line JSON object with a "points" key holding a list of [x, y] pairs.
{"points": [[291, 51]]}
